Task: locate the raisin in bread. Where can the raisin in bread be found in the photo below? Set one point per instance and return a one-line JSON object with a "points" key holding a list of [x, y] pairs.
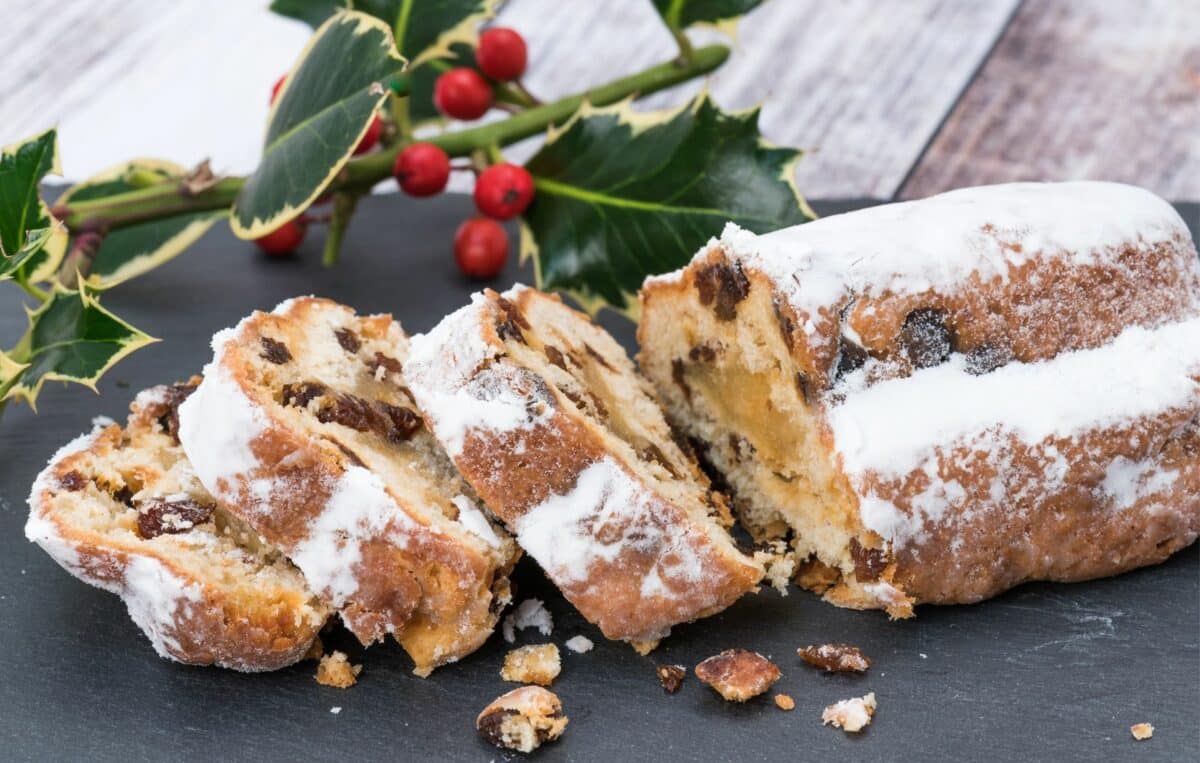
{"points": [[943, 398], [303, 426], [121, 508], [544, 414]]}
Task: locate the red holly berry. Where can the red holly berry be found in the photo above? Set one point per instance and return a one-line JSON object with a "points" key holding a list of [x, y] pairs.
{"points": [[462, 94], [284, 239], [422, 169], [501, 54], [275, 88], [480, 248], [503, 191], [370, 137]]}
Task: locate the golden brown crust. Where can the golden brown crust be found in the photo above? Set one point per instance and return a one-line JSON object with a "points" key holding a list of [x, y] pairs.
{"points": [[437, 593], [188, 619], [522, 470], [738, 675]]}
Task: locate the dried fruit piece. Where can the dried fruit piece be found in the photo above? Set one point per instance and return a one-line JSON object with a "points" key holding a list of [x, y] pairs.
{"points": [[738, 675], [850, 715], [274, 351], [671, 677], [534, 664], [836, 658], [926, 338], [722, 286], [162, 516], [335, 670], [523, 719]]}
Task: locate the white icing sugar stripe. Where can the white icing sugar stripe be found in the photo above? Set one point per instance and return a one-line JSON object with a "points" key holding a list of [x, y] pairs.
{"points": [[470, 517], [157, 600], [360, 509], [603, 516], [938, 242], [440, 372], [217, 424], [892, 428]]}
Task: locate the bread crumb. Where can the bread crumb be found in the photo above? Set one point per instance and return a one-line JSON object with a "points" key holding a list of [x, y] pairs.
{"points": [[645, 647], [523, 719], [335, 710], [850, 715], [335, 670], [738, 675], [1141, 731], [534, 664], [531, 613], [580, 644], [671, 677], [784, 702], [779, 564], [839, 658]]}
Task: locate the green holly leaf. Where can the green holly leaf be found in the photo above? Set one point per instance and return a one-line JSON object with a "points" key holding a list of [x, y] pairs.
{"points": [[22, 167], [621, 196], [323, 110], [134, 249], [681, 14], [35, 240], [423, 29], [70, 338]]}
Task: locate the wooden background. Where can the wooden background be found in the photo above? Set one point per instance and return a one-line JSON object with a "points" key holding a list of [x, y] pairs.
{"points": [[893, 98]]}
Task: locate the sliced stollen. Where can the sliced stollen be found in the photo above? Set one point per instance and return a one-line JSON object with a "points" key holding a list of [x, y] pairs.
{"points": [[122, 509], [544, 414], [304, 427], [940, 399]]}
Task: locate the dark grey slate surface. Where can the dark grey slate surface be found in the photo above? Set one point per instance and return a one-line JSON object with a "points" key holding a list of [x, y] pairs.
{"points": [[1045, 672]]}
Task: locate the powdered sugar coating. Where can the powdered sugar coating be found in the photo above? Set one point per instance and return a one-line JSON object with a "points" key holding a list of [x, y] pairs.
{"points": [[606, 515], [530, 613], [441, 374], [158, 600], [41, 530], [898, 426], [939, 242], [471, 517]]}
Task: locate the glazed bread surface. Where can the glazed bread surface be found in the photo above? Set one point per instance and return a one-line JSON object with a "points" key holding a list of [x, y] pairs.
{"points": [[304, 427], [121, 509], [937, 400], [544, 414]]}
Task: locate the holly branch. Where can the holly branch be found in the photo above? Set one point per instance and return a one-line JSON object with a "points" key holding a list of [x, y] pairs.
{"points": [[610, 197]]}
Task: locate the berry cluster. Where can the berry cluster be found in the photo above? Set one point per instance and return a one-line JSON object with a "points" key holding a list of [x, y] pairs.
{"points": [[502, 191]]}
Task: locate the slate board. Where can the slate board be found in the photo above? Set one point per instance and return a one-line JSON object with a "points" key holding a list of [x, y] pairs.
{"points": [[1043, 672]]}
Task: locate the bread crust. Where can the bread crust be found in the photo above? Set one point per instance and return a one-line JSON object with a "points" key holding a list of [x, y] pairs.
{"points": [[551, 462], [1008, 522], [439, 594], [187, 619]]}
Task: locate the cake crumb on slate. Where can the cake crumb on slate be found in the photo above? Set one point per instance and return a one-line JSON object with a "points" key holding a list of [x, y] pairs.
{"points": [[850, 715], [836, 658], [785, 702], [738, 675], [671, 677], [531, 613], [580, 644], [335, 670], [522, 720], [1141, 731], [534, 664]]}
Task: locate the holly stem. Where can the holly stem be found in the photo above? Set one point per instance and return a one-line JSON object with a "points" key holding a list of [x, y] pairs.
{"points": [[343, 210], [170, 198]]}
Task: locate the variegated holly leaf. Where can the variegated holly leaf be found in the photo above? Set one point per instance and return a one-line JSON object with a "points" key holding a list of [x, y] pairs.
{"points": [[424, 29], [621, 196], [131, 250], [681, 14], [22, 167], [323, 110], [70, 338]]}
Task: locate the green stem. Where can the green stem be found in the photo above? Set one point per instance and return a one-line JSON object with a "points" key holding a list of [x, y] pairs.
{"points": [[31, 290], [686, 52], [167, 199], [343, 210]]}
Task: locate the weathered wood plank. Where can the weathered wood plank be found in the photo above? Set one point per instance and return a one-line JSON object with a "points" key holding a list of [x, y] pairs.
{"points": [[860, 83], [1082, 89]]}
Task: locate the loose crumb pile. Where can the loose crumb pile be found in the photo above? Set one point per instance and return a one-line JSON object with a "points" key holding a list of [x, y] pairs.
{"points": [[335, 670]]}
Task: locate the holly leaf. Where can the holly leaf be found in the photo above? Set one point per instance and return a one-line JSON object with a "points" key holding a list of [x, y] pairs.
{"points": [[22, 167], [681, 14], [70, 338], [134, 249], [35, 240], [323, 110], [621, 196], [423, 29]]}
